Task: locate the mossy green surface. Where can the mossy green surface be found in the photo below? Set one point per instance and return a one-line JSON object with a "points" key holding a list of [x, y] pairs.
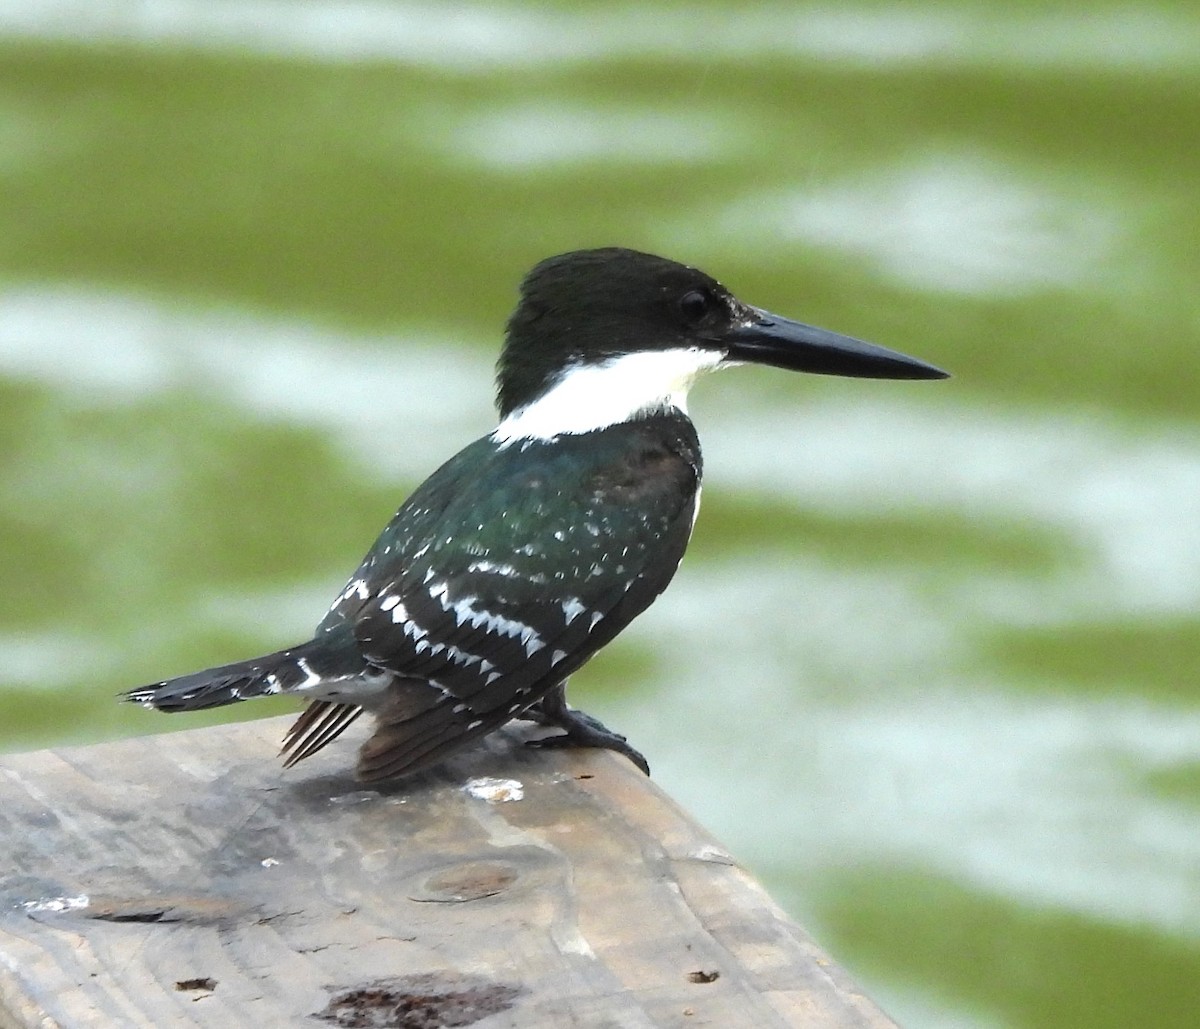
{"points": [[1023, 964]]}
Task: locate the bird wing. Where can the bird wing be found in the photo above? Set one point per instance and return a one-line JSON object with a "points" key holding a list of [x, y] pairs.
{"points": [[507, 571]]}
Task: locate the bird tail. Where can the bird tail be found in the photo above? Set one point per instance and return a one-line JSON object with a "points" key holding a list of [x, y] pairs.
{"points": [[281, 672]]}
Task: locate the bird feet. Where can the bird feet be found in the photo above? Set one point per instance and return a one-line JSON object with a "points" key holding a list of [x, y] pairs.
{"points": [[579, 729]]}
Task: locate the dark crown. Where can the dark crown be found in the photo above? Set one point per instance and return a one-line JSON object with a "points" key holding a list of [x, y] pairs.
{"points": [[588, 306]]}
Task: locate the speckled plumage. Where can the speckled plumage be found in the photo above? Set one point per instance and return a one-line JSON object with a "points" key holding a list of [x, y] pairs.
{"points": [[533, 547], [506, 571]]}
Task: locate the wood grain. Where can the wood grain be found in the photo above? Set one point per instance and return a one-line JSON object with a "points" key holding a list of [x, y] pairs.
{"points": [[184, 879]]}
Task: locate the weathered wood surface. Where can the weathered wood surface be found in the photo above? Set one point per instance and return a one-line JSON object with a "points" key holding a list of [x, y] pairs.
{"points": [[185, 879]]}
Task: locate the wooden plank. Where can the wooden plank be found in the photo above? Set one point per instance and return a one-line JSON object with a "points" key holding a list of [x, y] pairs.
{"points": [[185, 879]]}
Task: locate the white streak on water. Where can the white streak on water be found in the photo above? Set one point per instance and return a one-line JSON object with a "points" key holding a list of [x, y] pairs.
{"points": [[549, 134], [954, 222], [1127, 497], [112, 349], [472, 38], [897, 753]]}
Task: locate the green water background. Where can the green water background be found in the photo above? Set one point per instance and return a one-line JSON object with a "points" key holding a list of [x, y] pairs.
{"points": [[930, 668]]}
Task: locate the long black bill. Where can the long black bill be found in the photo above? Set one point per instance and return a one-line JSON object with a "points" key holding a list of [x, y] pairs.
{"points": [[769, 339]]}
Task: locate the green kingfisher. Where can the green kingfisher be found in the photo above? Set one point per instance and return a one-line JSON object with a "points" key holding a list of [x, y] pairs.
{"points": [[534, 546]]}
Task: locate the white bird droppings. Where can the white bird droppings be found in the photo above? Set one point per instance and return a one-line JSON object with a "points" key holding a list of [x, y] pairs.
{"points": [[58, 905], [494, 791]]}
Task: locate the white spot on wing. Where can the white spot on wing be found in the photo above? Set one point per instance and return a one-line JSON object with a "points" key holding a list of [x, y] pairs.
{"points": [[572, 608], [465, 613], [311, 678], [508, 571]]}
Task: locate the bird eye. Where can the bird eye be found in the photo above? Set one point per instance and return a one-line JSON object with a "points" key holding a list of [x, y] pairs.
{"points": [[695, 304]]}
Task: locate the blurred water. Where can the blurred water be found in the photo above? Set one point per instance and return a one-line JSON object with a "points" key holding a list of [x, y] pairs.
{"points": [[930, 666], [479, 38]]}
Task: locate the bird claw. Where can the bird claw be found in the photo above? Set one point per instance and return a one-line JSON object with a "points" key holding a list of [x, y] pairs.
{"points": [[579, 729], [589, 732]]}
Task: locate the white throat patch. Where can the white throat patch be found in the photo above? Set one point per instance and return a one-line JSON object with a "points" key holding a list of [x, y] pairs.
{"points": [[595, 396]]}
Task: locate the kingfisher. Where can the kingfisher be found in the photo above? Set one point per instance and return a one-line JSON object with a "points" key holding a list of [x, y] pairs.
{"points": [[535, 545]]}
